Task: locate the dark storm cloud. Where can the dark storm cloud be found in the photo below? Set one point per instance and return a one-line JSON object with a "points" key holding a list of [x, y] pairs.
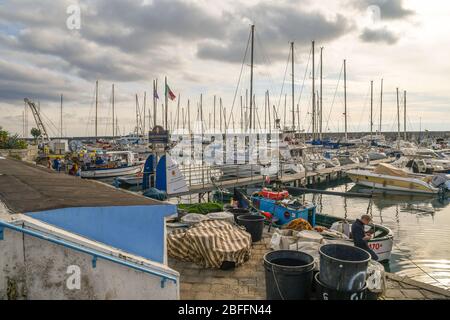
{"points": [[389, 9], [378, 35], [118, 40], [132, 26], [275, 26], [20, 81]]}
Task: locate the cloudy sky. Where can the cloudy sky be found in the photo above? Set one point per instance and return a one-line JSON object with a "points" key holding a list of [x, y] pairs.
{"points": [[199, 45]]}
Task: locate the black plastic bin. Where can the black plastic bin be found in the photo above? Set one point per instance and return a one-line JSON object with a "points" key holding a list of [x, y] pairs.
{"points": [[289, 275], [254, 224], [238, 212], [343, 267], [323, 292]]}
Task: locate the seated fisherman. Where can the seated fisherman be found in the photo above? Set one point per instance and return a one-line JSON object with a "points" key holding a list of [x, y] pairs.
{"points": [[360, 237]]}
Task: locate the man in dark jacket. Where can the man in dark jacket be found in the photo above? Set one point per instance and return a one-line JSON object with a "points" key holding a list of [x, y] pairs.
{"points": [[360, 237]]}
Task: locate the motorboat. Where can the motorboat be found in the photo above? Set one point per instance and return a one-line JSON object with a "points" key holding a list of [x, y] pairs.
{"points": [[388, 177]]}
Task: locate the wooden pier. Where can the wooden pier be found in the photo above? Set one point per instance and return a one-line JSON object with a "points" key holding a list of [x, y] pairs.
{"points": [[299, 179]]}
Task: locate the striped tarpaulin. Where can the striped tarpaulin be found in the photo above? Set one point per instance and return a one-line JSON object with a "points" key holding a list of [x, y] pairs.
{"points": [[209, 243]]}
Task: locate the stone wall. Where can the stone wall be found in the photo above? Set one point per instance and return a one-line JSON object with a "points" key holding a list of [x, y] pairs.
{"points": [[28, 154]]}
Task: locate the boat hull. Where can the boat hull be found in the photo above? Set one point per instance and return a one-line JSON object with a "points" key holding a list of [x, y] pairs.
{"points": [[113, 172], [285, 214], [129, 180], [382, 244], [391, 183]]}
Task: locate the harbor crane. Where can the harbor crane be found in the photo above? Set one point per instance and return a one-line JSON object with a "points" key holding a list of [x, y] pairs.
{"points": [[38, 120]]}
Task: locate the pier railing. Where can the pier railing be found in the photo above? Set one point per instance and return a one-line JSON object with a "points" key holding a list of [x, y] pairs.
{"points": [[201, 175]]}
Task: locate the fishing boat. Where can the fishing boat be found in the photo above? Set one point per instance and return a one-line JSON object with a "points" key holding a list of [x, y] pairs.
{"points": [[111, 164], [285, 208], [381, 243], [390, 178], [282, 206]]}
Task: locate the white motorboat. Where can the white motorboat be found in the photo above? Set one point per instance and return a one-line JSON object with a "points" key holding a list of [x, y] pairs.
{"points": [[388, 177]]}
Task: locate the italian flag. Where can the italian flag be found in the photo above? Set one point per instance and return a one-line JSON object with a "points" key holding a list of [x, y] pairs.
{"points": [[169, 93]]}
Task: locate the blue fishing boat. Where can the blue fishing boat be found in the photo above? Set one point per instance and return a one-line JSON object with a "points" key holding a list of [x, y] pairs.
{"points": [[285, 210]]}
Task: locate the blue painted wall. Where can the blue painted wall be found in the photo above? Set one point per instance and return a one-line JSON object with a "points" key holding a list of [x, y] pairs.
{"points": [[135, 229]]}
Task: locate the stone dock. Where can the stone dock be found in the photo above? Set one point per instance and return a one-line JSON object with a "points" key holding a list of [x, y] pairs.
{"points": [[247, 282]]}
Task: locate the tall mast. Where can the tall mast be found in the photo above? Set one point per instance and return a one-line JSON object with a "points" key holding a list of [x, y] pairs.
{"points": [[183, 118], [242, 115], [345, 99], [293, 93], [113, 116], [201, 111], [214, 125], [155, 90], [178, 112], [371, 109], [268, 110], [318, 111], [220, 114], [404, 115], [321, 92], [246, 109], [381, 106], [96, 108], [265, 110], [61, 123], [313, 94], [145, 107], [398, 121], [189, 116], [137, 117], [167, 102], [251, 74]]}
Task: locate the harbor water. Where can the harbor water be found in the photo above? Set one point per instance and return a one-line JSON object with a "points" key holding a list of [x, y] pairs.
{"points": [[421, 225]]}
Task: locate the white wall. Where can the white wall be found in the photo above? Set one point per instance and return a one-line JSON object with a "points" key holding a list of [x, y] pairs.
{"points": [[38, 268]]}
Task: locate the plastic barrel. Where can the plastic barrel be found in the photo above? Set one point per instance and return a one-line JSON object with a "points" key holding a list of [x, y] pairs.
{"points": [[324, 292], [343, 267], [254, 224], [238, 212], [289, 275]]}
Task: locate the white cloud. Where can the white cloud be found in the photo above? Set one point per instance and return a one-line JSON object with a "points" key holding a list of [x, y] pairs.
{"points": [[132, 42]]}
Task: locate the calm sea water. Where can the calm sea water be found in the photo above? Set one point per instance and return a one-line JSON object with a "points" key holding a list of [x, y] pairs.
{"points": [[421, 226]]}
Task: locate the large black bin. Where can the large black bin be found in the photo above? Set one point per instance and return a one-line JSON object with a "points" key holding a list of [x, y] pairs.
{"points": [[324, 292], [289, 275], [343, 267], [254, 224], [238, 212]]}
